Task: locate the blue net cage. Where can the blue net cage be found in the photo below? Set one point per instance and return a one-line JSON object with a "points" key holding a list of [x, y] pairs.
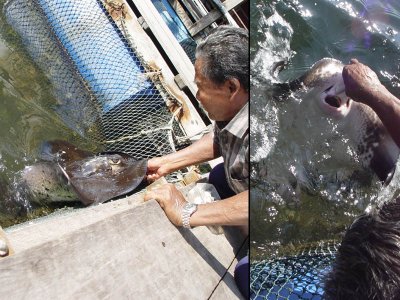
{"points": [[103, 88]]}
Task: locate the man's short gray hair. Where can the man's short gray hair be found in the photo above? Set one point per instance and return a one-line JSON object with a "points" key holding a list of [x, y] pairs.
{"points": [[225, 55]]}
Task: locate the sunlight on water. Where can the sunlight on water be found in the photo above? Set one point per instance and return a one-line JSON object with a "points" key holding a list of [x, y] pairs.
{"points": [[273, 34]]}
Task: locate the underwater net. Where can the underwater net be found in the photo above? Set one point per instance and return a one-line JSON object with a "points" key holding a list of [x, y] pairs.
{"points": [[294, 277], [103, 88]]}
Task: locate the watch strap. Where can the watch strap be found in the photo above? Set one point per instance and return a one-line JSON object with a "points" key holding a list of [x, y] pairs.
{"points": [[187, 211]]}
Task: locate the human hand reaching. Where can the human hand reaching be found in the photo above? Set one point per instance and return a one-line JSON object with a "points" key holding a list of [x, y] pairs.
{"points": [[361, 83], [156, 168]]}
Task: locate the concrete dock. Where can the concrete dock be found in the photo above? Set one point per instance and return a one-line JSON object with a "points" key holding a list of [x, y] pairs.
{"points": [[124, 249]]}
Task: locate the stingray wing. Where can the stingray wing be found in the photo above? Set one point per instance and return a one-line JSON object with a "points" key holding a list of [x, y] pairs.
{"points": [[95, 181]]}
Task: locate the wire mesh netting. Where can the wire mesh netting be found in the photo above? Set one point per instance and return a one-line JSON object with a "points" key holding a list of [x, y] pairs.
{"points": [[104, 89], [294, 277]]}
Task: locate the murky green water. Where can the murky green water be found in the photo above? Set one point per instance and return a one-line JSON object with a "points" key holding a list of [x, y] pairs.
{"points": [[27, 118], [315, 185]]}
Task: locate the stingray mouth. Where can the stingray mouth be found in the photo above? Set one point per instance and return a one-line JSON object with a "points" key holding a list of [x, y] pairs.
{"points": [[336, 105], [336, 102]]}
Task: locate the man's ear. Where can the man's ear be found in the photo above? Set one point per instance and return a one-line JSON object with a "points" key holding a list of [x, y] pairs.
{"points": [[233, 86]]}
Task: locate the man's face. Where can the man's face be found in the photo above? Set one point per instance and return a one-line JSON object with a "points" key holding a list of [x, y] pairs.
{"points": [[215, 99]]}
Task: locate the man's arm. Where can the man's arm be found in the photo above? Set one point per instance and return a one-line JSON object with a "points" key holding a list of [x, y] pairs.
{"points": [[363, 85], [230, 211], [387, 107], [200, 151]]}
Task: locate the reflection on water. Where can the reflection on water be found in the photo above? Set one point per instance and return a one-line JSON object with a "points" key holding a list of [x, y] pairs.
{"points": [[307, 181], [27, 118]]}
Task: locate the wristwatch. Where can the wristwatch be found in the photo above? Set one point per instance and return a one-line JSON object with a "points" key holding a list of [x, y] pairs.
{"points": [[187, 211]]}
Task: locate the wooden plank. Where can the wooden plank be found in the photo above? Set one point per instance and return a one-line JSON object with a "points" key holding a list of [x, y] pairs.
{"points": [[212, 16], [135, 253], [45, 229]]}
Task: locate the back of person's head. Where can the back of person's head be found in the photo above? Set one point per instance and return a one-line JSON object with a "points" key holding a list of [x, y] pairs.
{"points": [[367, 264], [225, 55]]}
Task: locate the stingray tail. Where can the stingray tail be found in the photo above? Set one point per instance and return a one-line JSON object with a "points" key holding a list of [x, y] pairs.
{"points": [[64, 172]]}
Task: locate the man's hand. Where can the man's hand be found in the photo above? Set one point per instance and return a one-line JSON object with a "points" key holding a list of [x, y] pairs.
{"points": [[361, 83], [200, 151], [156, 168], [171, 201]]}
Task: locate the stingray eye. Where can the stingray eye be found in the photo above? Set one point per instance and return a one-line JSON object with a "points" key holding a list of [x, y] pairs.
{"points": [[328, 89], [115, 161]]}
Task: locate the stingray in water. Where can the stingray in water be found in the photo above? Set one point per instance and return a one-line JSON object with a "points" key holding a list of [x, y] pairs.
{"points": [[325, 90], [68, 173]]}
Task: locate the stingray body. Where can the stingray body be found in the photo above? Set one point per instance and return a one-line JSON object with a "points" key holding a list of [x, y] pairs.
{"points": [[68, 173], [324, 89]]}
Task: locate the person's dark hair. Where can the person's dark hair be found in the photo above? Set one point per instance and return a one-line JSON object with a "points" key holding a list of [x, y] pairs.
{"points": [[367, 264], [225, 54]]}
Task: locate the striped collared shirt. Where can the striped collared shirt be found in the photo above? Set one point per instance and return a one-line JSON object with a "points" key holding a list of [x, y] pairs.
{"points": [[233, 142]]}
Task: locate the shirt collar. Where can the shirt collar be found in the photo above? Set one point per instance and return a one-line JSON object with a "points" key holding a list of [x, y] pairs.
{"points": [[239, 124]]}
